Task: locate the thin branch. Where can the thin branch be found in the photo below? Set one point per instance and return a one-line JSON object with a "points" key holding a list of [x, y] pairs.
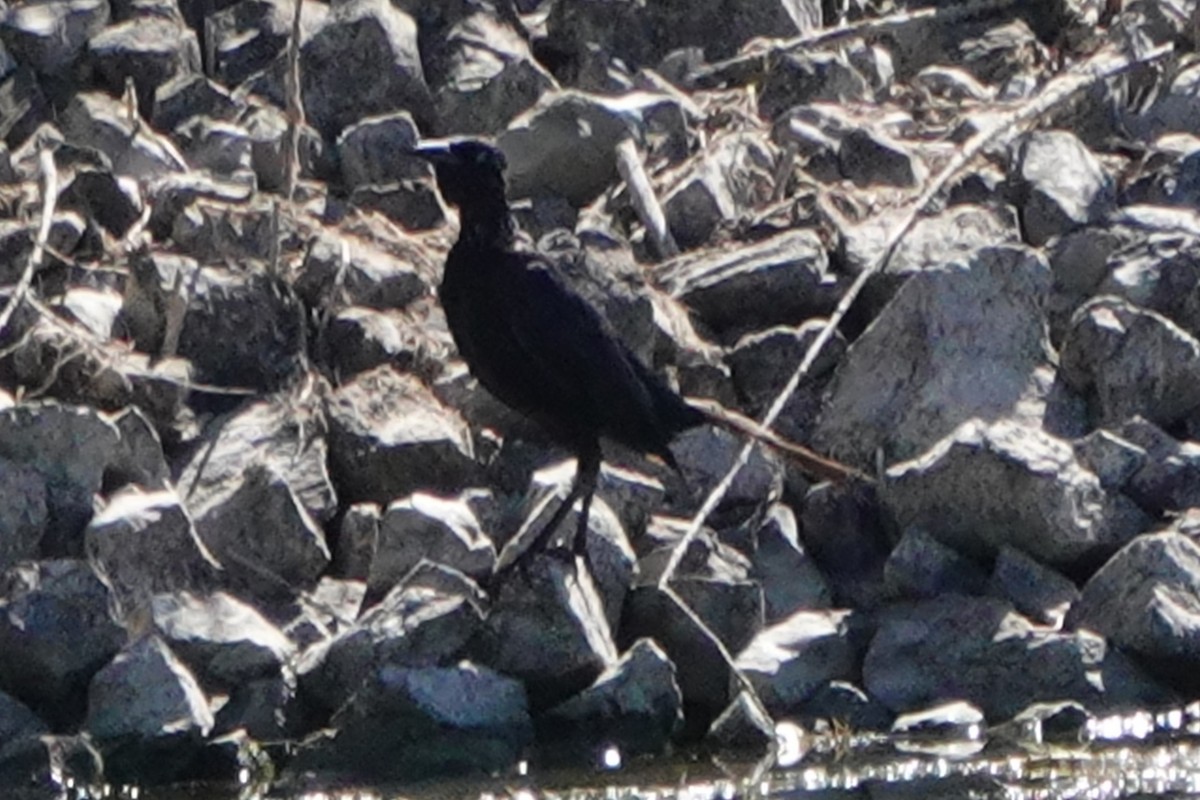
{"points": [[49, 175], [1104, 64], [641, 193]]}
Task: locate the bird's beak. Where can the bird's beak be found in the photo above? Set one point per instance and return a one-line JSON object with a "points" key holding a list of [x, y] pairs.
{"points": [[435, 151]]}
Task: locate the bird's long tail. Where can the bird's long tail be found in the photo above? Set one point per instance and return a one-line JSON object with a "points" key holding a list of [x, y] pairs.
{"points": [[813, 464]]}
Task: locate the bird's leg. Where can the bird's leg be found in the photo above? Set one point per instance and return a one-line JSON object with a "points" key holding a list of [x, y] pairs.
{"points": [[586, 476]]}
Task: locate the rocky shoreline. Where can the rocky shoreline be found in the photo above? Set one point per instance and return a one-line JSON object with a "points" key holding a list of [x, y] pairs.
{"points": [[251, 503]]}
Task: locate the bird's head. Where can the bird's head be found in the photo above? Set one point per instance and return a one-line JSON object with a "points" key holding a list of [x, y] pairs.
{"points": [[467, 169]]}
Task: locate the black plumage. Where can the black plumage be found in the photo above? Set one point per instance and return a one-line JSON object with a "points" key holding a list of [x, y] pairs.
{"points": [[537, 345]]}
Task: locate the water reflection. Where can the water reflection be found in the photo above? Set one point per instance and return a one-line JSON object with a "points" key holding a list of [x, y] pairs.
{"points": [[1115, 757]]}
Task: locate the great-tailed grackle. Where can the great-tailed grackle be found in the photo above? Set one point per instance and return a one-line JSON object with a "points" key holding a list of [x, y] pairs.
{"points": [[544, 351]]}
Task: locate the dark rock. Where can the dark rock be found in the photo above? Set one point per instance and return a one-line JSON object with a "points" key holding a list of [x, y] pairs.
{"points": [[70, 447], [426, 620], [841, 703], [1034, 589], [37, 767], [787, 662], [922, 567], [362, 37], [427, 527], [389, 437], [249, 35], [258, 529], [847, 533], [372, 151], [485, 76], [150, 51], [188, 95], [222, 148], [268, 129], [1166, 478], [23, 512], [17, 720], [981, 651], [416, 722], [23, 106], [113, 203], [869, 159], [48, 36], [146, 736], [955, 721], [961, 492], [1113, 459], [271, 434], [144, 543], [634, 705], [762, 362], [712, 190], [101, 122], [413, 204], [745, 724], [725, 289], [789, 578], [799, 78], [547, 626]]}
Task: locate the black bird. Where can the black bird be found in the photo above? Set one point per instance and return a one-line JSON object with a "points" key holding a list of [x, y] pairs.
{"points": [[543, 350]]}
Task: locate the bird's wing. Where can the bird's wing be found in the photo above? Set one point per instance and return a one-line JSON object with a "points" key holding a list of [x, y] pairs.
{"points": [[572, 346]]}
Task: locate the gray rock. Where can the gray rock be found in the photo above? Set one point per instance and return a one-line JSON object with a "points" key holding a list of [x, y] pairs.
{"points": [[364, 273], [788, 661], [870, 159], [975, 330], [962, 492], [219, 231], [1131, 361], [842, 703], [789, 578], [389, 437], [486, 76], [150, 51], [170, 195], [566, 144], [48, 36], [55, 633], [267, 542], [981, 651], [428, 527], [1166, 478], [1173, 109], [372, 151], [725, 289], [362, 37], [410, 723], [1145, 601], [147, 734], [333, 606], [762, 362], [23, 512], [1156, 268], [1060, 185], [142, 543], [426, 620], [1034, 589], [359, 339], [1113, 459], [273, 435], [547, 627], [801, 78], [101, 122], [922, 567], [633, 705], [70, 447]]}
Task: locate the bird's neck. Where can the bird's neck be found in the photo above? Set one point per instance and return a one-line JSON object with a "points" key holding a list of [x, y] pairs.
{"points": [[485, 222]]}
